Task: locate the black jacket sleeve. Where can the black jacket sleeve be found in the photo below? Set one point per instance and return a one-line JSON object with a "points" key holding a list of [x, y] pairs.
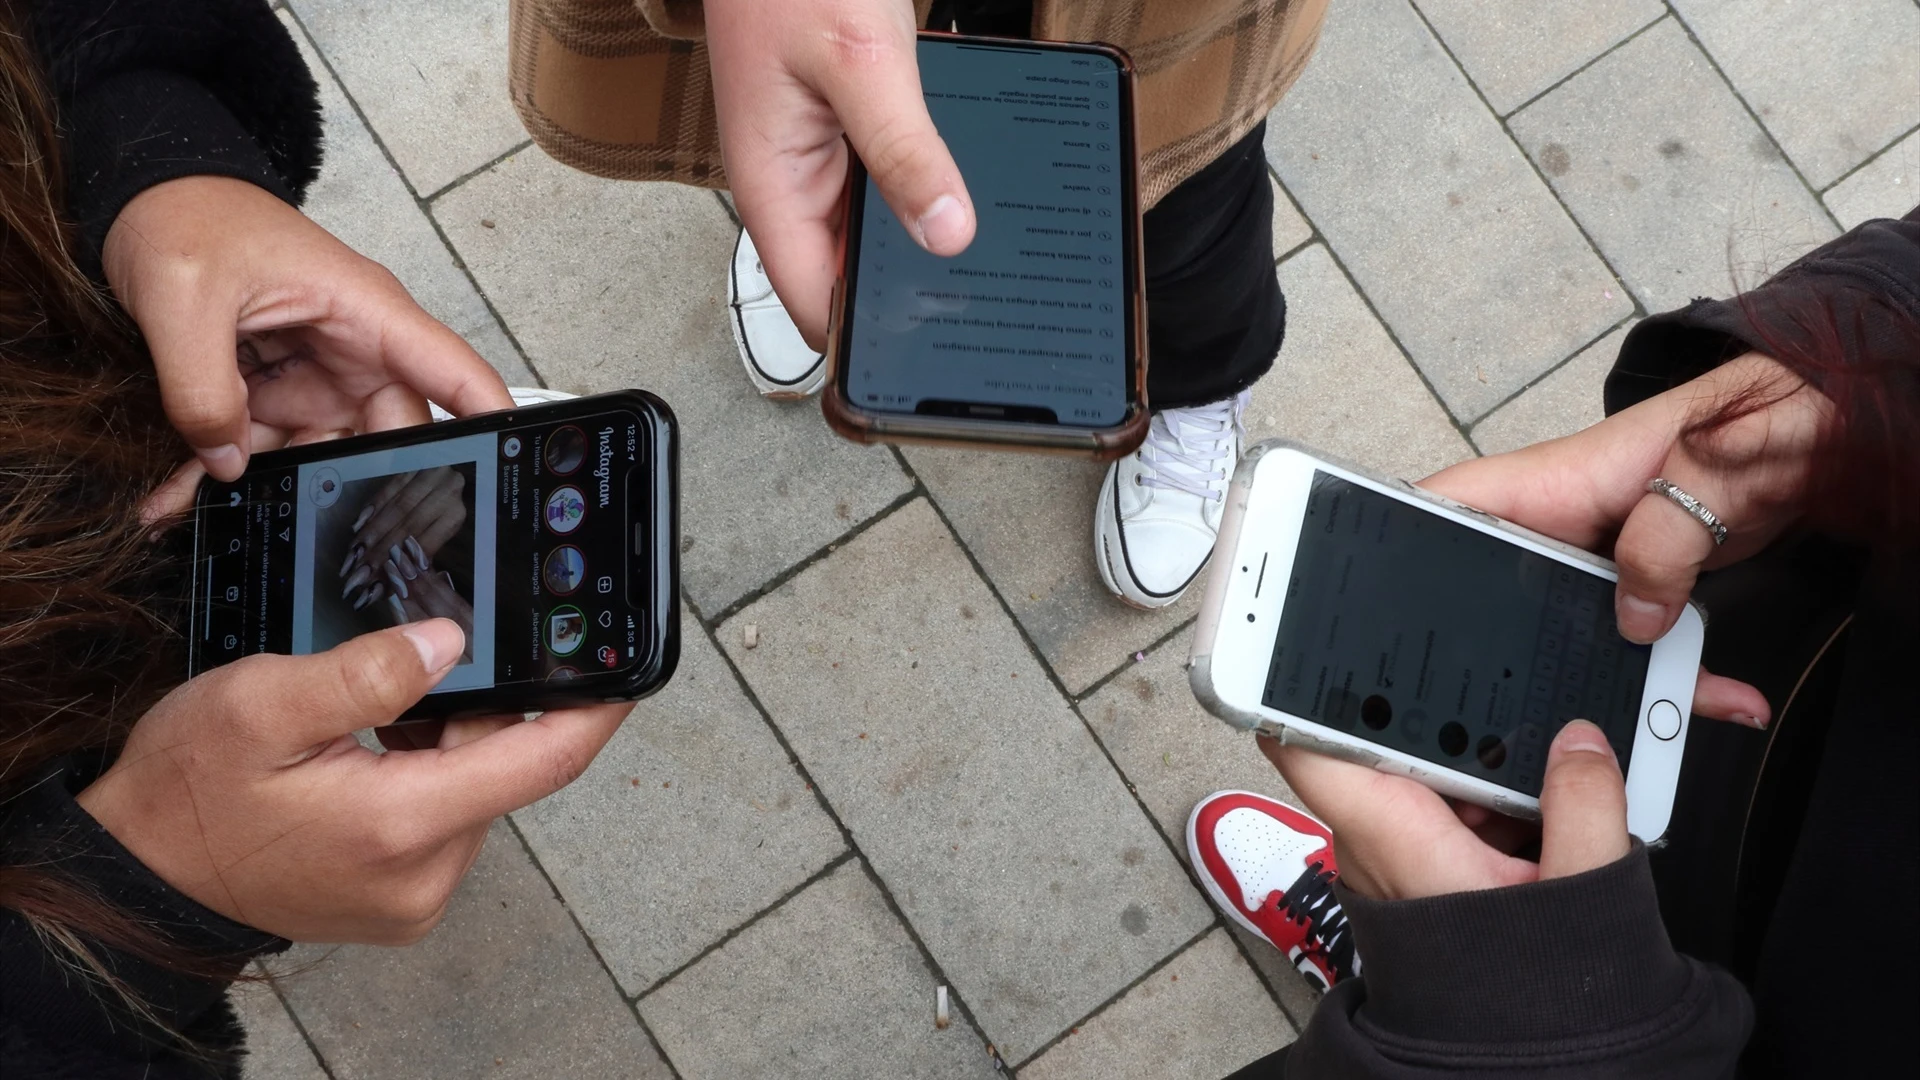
{"points": [[1566, 978], [154, 90], [1857, 288], [49, 1012]]}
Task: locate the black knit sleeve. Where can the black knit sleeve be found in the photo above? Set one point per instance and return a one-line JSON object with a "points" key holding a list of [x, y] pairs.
{"points": [[1569, 978], [45, 1000], [153, 90]]}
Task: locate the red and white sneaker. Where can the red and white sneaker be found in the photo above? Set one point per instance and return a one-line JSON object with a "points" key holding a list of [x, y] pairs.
{"points": [[1271, 869]]}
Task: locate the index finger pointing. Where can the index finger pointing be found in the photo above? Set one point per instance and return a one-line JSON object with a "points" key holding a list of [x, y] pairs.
{"points": [[442, 367]]}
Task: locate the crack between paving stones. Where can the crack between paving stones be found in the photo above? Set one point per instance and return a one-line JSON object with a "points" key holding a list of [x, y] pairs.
{"points": [[1786, 160], [491, 163], [1158, 967], [1557, 83], [658, 1047], [273, 987], [760, 592], [1875, 156], [420, 204], [1545, 375], [956, 1001]]}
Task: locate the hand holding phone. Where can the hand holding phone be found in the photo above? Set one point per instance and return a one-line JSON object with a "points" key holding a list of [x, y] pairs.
{"points": [[246, 790], [1399, 840]]}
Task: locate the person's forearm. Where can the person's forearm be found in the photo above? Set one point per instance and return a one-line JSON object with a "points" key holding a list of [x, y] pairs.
{"points": [[1572, 977]]}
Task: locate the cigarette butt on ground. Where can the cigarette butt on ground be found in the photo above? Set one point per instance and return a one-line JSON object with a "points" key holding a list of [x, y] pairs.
{"points": [[750, 635], [940, 1019]]}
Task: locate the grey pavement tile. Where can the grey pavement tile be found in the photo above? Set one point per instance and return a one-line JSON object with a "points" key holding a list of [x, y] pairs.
{"points": [[504, 987], [969, 784], [1203, 1015], [1833, 82], [1171, 750], [1887, 186], [1684, 201], [1512, 52], [361, 199], [1339, 383], [1290, 230], [1560, 404], [275, 1048], [1298, 998], [1437, 214], [430, 76], [827, 985], [609, 285], [689, 823]]}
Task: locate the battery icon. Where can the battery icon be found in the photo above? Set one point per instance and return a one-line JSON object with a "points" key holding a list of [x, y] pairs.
{"points": [[629, 652]]}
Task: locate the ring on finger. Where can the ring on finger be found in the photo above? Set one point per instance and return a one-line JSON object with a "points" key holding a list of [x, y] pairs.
{"points": [[1694, 508]]}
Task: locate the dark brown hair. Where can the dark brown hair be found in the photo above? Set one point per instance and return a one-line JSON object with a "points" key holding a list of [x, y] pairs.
{"points": [[85, 644]]}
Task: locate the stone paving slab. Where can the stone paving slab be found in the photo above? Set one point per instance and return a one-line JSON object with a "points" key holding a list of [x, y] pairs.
{"points": [[1339, 383], [431, 77], [970, 785], [688, 824], [362, 200], [829, 985], [1562, 403], [1513, 52], [1290, 228], [1674, 196], [610, 285], [504, 987], [1834, 82], [1436, 213], [1887, 186], [275, 1048], [1204, 1015]]}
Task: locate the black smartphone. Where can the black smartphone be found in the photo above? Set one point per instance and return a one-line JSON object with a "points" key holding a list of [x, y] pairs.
{"points": [[550, 533], [1034, 337]]}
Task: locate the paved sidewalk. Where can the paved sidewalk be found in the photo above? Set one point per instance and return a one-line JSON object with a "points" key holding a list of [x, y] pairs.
{"points": [[953, 759]]}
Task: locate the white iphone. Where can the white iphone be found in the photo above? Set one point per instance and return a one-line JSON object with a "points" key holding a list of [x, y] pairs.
{"points": [[1365, 618]]}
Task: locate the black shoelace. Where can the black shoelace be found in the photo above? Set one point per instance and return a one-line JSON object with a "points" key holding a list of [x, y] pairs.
{"points": [[1310, 900]]}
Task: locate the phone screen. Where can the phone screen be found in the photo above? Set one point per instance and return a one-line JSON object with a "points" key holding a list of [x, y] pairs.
{"points": [[1419, 633], [1031, 322], [521, 535]]}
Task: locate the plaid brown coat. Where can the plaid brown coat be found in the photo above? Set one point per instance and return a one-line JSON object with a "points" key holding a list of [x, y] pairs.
{"points": [[621, 88]]}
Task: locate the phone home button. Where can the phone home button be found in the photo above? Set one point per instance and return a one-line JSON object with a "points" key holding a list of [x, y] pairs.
{"points": [[1664, 719]]}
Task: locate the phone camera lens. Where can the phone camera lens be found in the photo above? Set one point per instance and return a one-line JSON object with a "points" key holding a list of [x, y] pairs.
{"points": [[1249, 616], [1376, 712], [1453, 738]]}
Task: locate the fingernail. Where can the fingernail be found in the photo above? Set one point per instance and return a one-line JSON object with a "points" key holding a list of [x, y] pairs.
{"points": [[1750, 721], [400, 614], [1582, 736], [365, 598], [1631, 608], [440, 642], [399, 584], [365, 513], [225, 462], [943, 227], [399, 559], [353, 558], [360, 577], [419, 553]]}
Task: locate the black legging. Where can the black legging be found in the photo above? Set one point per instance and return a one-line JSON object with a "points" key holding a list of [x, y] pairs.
{"points": [[1215, 315]]}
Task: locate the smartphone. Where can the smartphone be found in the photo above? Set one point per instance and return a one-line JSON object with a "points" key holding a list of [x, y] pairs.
{"points": [[1035, 336], [549, 532], [1371, 620]]}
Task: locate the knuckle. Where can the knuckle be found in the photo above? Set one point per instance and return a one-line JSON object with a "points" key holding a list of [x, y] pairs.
{"points": [[375, 680], [564, 765], [859, 41], [199, 405]]}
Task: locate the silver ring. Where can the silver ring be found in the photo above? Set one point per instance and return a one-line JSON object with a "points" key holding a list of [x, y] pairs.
{"points": [[1692, 506]]}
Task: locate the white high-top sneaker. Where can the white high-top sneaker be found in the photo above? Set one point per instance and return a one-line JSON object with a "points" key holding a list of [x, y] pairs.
{"points": [[779, 362], [1160, 506]]}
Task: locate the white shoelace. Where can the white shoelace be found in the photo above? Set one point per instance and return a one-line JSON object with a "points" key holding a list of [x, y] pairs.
{"points": [[1191, 450]]}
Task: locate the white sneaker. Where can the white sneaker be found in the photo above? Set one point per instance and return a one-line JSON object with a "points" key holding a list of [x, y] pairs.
{"points": [[779, 362], [1159, 511]]}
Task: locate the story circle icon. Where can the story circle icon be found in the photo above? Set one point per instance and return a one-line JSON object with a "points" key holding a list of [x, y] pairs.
{"points": [[564, 570], [565, 509], [511, 447], [566, 630], [566, 450]]}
